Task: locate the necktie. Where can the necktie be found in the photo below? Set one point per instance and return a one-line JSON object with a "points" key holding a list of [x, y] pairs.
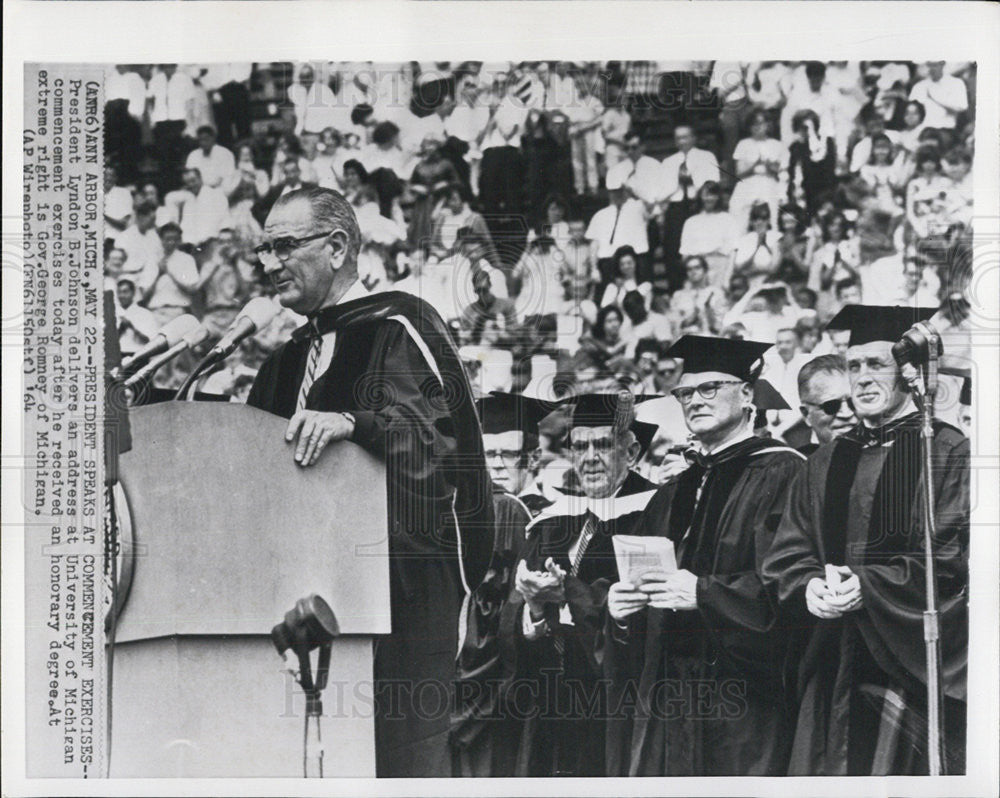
{"points": [[315, 345], [586, 535], [614, 227]]}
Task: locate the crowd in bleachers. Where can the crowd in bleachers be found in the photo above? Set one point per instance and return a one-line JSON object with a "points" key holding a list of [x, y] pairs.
{"points": [[568, 219]]}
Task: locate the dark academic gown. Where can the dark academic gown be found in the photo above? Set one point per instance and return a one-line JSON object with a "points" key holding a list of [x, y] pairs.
{"points": [[858, 503], [699, 692], [396, 369], [484, 739], [558, 688]]}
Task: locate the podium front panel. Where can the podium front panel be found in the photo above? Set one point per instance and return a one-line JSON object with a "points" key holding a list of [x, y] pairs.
{"points": [[230, 532]]}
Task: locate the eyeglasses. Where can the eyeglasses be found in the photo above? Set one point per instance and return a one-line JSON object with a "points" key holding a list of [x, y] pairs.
{"points": [[707, 390], [277, 251], [605, 444], [831, 407], [506, 454]]}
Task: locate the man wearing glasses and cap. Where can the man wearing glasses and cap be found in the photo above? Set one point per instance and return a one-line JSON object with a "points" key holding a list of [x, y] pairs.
{"points": [[551, 626], [848, 560], [381, 371], [700, 647], [484, 739]]}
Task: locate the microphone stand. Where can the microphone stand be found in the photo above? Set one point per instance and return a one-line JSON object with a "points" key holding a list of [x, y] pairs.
{"points": [[932, 637]]}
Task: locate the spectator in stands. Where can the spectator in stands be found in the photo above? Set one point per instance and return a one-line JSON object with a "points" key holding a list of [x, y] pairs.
{"points": [[781, 368], [700, 305], [615, 126], [914, 122], [760, 161], [585, 116], [626, 266], [142, 248], [646, 356], [329, 162], [792, 266], [875, 127], [578, 261], [177, 280], [292, 181], [487, 309], [454, 215], [246, 186], [711, 234], [757, 253], [641, 322], [810, 91], [764, 311], [668, 372], [225, 276], [539, 277], [641, 175], [812, 162], [683, 175], [621, 223], [924, 193], [825, 393], [314, 103], [202, 211], [846, 292], [809, 333], [835, 260], [117, 204], [213, 161], [957, 166], [229, 85], [172, 116], [605, 340], [501, 181], [944, 96], [136, 325]]}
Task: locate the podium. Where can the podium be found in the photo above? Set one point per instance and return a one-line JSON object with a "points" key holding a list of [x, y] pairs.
{"points": [[228, 532]]}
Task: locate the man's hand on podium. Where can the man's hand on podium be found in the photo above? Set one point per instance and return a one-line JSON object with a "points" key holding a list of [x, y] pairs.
{"points": [[315, 430]]}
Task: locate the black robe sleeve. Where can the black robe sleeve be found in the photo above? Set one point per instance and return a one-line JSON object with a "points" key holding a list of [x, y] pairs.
{"points": [[893, 591], [737, 608]]}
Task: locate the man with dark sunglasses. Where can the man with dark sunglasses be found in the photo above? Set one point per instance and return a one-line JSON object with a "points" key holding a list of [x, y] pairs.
{"points": [[825, 400], [700, 647], [381, 371]]}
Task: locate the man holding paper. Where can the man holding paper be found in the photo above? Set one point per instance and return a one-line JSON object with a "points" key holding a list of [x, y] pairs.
{"points": [[697, 651], [848, 563], [552, 624]]}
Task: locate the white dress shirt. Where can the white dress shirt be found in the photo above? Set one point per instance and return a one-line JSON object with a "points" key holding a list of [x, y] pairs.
{"points": [[215, 168], [126, 86], [702, 167], [644, 176], [613, 227], [943, 100], [202, 216]]}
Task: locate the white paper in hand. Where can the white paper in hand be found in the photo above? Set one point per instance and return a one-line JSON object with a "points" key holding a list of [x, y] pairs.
{"points": [[637, 555]]}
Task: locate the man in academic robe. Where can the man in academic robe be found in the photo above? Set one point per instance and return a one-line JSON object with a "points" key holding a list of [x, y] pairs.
{"points": [[848, 564], [484, 740], [695, 655], [382, 372], [552, 624]]}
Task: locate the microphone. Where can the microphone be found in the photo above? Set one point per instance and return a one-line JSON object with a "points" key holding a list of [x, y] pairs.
{"points": [[169, 334], [255, 316], [192, 339], [914, 347]]}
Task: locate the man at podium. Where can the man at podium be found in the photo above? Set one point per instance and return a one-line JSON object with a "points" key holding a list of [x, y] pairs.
{"points": [[382, 372]]}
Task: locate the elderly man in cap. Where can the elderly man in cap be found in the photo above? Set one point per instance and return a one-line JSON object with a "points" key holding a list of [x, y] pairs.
{"points": [[551, 627], [848, 559], [381, 371], [700, 647], [484, 740]]}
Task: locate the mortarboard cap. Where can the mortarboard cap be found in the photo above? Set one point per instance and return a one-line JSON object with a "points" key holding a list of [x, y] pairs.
{"points": [[506, 412], [766, 397], [727, 355], [869, 323], [610, 409], [965, 397]]}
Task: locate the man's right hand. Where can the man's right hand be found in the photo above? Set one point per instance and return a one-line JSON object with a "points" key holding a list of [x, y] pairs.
{"points": [[538, 588], [624, 600], [817, 600]]}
